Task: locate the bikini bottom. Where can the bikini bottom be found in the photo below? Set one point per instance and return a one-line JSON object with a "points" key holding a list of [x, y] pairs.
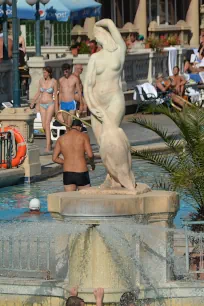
{"points": [[46, 105]]}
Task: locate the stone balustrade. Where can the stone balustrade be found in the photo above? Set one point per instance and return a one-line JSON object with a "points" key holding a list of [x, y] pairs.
{"points": [[202, 16], [49, 52], [144, 65], [181, 29], [141, 66]]}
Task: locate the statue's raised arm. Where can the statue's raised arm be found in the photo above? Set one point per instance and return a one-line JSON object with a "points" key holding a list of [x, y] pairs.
{"points": [[109, 24]]}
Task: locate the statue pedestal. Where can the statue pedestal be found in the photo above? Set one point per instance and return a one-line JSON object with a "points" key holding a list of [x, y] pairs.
{"points": [[23, 119], [110, 253]]}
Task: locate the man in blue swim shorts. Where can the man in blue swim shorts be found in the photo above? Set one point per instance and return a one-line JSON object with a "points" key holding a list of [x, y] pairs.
{"points": [[68, 85]]}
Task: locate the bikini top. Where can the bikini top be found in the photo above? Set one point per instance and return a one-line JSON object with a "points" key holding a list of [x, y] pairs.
{"points": [[48, 90]]}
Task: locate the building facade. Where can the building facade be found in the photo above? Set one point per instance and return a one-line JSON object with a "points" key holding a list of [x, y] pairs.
{"points": [[143, 16], [141, 13]]}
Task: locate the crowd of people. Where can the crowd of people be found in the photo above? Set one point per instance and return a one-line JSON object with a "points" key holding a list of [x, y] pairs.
{"points": [[173, 88], [63, 94], [133, 42], [66, 94]]}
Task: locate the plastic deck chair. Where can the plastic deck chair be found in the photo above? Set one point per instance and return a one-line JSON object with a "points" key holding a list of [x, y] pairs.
{"points": [[56, 130], [144, 99]]}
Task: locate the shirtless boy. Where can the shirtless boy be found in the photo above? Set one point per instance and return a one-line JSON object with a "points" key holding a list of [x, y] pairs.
{"points": [[73, 145], [177, 82], [68, 85]]}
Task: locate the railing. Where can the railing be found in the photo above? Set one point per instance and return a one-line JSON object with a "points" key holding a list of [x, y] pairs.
{"points": [[187, 253], [195, 258], [139, 67], [26, 257], [50, 52], [143, 66], [6, 149]]}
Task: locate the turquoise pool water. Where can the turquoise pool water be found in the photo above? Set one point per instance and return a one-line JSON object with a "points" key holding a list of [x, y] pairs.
{"points": [[14, 200]]}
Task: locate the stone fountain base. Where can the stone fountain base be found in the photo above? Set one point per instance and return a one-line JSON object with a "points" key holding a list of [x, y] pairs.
{"points": [[118, 230], [92, 261], [97, 203]]}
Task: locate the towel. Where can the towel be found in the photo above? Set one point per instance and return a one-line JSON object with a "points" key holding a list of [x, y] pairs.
{"points": [[172, 60]]}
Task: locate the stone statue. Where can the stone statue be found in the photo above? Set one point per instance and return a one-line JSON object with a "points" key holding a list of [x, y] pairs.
{"points": [[105, 99]]}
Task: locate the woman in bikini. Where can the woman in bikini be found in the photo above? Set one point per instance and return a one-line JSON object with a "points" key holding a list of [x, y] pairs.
{"points": [[46, 94]]}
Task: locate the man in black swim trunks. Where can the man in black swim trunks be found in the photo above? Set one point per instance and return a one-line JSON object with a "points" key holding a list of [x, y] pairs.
{"points": [[73, 146]]}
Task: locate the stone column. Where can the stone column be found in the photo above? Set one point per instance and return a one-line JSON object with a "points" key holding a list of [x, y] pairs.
{"points": [[192, 19], [23, 119], [202, 16], [166, 12], [115, 258], [36, 65], [89, 25], [140, 21]]}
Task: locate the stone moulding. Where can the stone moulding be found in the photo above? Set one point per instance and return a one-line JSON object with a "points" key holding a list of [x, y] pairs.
{"points": [[101, 205]]}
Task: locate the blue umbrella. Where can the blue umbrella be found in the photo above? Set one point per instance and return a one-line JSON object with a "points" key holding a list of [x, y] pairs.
{"points": [[56, 10]]}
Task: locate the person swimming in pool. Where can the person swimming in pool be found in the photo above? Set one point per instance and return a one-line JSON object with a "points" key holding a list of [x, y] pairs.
{"points": [[68, 85], [46, 97]]}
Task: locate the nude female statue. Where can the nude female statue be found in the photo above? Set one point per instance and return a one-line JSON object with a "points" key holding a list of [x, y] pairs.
{"points": [[105, 99], [104, 73]]}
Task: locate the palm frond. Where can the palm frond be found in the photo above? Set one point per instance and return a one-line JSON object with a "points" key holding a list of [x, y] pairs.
{"points": [[171, 141], [186, 165], [167, 162]]}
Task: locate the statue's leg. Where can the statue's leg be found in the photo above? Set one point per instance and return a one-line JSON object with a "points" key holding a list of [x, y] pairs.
{"points": [[116, 103], [97, 128], [116, 109]]}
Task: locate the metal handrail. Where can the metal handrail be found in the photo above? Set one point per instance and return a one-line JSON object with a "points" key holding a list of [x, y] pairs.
{"points": [[6, 149], [186, 225]]}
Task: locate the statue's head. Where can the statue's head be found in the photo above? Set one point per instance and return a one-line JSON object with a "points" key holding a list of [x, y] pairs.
{"points": [[104, 38]]}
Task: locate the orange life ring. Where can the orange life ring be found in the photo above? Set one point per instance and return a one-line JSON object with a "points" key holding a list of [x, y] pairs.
{"points": [[21, 148]]}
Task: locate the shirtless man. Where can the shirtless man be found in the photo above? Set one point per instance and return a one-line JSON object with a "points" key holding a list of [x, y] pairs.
{"points": [[163, 86], [10, 47], [68, 85], [73, 145], [78, 69], [177, 82]]}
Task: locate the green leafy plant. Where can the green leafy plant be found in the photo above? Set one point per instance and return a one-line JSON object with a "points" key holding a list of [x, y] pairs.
{"points": [[185, 164], [154, 43], [84, 49]]}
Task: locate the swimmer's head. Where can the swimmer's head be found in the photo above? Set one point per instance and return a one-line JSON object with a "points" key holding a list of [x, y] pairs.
{"points": [[77, 124], [34, 205]]}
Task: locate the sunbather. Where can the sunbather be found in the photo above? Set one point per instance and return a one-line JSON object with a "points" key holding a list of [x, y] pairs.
{"points": [[165, 86]]}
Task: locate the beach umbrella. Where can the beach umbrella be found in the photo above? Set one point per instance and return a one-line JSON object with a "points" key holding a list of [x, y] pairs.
{"points": [[54, 10]]}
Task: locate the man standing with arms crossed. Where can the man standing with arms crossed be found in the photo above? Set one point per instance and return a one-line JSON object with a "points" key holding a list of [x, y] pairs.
{"points": [[73, 146], [68, 85]]}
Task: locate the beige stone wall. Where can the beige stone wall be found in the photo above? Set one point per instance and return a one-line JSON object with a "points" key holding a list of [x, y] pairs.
{"points": [[18, 300]]}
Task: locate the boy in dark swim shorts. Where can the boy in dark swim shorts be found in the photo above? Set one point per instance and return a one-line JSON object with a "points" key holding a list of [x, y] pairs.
{"points": [[73, 146]]}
